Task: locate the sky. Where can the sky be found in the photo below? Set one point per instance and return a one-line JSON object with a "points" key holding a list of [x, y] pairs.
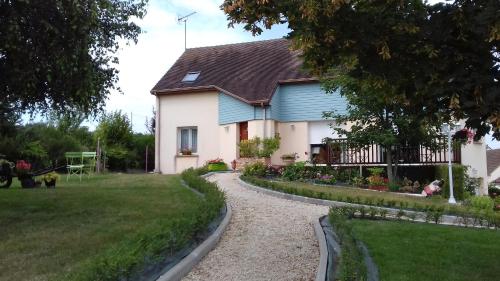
{"points": [[162, 42]]}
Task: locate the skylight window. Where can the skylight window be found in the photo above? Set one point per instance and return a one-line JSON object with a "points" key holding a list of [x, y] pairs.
{"points": [[191, 76]]}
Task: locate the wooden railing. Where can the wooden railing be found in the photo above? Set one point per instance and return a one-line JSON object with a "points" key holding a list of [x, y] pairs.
{"points": [[340, 152]]}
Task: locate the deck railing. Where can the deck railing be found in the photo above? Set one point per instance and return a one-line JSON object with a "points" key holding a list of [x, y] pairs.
{"points": [[341, 152]]}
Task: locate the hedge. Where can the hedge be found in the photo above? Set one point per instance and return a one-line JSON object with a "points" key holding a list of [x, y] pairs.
{"points": [[149, 247], [458, 180]]}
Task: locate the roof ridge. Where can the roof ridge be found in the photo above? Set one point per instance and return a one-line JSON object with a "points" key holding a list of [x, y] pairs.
{"points": [[240, 43]]}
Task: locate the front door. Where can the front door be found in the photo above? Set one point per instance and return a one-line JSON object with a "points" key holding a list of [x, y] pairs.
{"points": [[243, 131]]}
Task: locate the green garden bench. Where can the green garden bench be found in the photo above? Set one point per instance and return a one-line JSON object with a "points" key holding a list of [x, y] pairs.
{"points": [[78, 163]]}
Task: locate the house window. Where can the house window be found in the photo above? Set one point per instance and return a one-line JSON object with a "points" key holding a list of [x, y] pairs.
{"points": [[188, 139], [191, 76]]}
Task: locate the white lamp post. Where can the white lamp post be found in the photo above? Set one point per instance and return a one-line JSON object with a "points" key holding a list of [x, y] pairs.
{"points": [[449, 129]]}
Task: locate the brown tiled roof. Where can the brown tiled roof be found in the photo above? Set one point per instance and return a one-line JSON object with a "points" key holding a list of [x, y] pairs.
{"points": [[248, 71], [492, 159]]}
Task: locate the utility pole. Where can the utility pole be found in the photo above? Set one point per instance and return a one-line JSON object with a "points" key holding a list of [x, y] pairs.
{"points": [[184, 19], [146, 159]]}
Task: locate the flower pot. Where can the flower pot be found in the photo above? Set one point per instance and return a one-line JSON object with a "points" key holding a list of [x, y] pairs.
{"points": [[288, 161], [27, 182], [50, 184]]}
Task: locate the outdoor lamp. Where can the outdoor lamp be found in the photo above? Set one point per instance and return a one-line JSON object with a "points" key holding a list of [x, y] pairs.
{"points": [[449, 129]]}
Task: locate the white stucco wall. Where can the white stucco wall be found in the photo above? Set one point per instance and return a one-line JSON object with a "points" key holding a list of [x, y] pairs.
{"points": [[474, 156], [187, 110], [228, 142], [318, 130], [294, 139]]}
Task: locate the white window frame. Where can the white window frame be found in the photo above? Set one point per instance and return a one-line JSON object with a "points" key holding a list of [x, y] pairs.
{"points": [[191, 76], [190, 138]]}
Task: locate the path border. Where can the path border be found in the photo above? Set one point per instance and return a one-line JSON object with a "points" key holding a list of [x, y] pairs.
{"points": [[185, 266], [323, 252]]}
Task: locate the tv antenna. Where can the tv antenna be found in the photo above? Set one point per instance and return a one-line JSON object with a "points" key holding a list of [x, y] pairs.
{"points": [[184, 19]]}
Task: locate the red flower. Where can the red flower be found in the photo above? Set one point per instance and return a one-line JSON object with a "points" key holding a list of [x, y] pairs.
{"points": [[216, 161], [22, 165]]}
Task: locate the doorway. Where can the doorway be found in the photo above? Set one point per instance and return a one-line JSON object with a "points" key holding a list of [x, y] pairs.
{"points": [[243, 131]]}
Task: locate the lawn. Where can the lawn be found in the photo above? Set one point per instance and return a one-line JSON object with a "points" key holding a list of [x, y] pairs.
{"points": [[418, 251], [91, 228]]}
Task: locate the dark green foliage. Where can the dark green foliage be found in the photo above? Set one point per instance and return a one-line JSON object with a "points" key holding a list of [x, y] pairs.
{"points": [[257, 169], [44, 145], [322, 174], [458, 180], [116, 137], [217, 167], [61, 55]]}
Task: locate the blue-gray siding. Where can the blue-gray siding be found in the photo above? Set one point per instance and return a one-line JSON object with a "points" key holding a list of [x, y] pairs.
{"points": [[232, 110], [305, 102]]}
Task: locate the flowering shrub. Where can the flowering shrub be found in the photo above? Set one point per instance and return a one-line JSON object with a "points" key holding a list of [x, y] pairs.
{"points": [[464, 135], [216, 161], [257, 169], [22, 167], [216, 165]]}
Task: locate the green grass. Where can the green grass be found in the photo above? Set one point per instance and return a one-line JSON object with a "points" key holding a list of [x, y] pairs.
{"points": [[102, 226], [417, 251], [355, 195]]}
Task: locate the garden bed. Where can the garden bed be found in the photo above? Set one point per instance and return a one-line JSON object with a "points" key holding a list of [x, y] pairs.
{"points": [[103, 228]]}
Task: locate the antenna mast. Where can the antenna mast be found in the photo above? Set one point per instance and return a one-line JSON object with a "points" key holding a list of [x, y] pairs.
{"points": [[184, 19]]}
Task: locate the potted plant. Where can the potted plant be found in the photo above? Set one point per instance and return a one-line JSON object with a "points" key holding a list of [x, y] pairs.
{"points": [[23, 171], [216, 165], [50, 179], [289, 159], [186, 151]]}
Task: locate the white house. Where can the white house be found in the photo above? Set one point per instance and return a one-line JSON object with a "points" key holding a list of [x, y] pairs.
{"points": [[214, 97]]}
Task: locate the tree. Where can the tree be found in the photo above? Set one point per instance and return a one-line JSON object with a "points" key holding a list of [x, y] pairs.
{"points": [[151, 123], [115, 132], [375, 119], [61, 55], [441, 59]]}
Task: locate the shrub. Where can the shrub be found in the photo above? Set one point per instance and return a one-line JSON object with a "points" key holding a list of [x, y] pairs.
{"points": [[256, 147], [375, 171], [257, 169], [216, 165], [394, 187], [269, 146], [481, 202], [458, 180], [294, 171], [249, 148]]}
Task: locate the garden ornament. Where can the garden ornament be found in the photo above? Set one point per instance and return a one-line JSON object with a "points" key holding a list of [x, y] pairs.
{"points": [[432, 188]]}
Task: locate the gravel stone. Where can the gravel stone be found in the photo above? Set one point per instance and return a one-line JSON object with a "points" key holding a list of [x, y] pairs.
{"points": [[268, 238]]}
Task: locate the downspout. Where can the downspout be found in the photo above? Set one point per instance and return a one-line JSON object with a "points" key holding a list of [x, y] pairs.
{"points": [[157, 136], [264, 119]]}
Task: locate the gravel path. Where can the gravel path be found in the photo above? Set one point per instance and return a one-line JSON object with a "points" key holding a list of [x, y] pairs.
{"points": [[268, 238]]}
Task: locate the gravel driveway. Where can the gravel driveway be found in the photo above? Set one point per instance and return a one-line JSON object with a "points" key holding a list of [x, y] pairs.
{"points": [[267, 239]]}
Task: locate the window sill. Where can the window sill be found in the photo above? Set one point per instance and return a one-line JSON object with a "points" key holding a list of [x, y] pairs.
{"points": [[186, 156]]}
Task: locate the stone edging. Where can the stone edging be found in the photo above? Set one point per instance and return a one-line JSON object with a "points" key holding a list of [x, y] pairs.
{"points": [[182, 268], [323, 252], [446, 219]]}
